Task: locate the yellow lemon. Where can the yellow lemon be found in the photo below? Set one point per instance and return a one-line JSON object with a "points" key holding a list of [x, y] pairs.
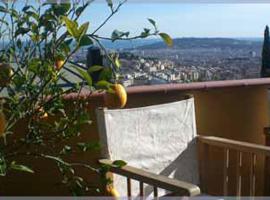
{"points": [[113, 192], [59, 64], [44, 116], [118, 98]]}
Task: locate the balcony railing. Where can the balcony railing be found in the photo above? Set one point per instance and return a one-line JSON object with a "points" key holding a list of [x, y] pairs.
{"points": [[180, 188]]}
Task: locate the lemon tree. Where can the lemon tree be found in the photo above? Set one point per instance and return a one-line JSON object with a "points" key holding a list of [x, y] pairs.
{"points": [[37, 42]]}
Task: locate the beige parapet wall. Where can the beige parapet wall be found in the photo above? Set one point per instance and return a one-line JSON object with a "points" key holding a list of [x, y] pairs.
{"points": [[234, 113]]}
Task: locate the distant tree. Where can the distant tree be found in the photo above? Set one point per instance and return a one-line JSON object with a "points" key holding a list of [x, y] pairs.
{"points": [[265, 70]]}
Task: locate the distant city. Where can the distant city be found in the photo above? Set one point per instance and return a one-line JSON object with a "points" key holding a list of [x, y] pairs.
{"points": [[148, 62]]}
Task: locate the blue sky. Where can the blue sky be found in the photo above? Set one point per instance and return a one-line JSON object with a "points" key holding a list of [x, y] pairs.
{"points": [[186, 20]]}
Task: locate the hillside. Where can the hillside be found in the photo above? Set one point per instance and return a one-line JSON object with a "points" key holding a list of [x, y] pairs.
{"points": [[128, 44], [187, 43]]}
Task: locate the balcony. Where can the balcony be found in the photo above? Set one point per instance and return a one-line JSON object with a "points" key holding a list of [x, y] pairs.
{"points": [[230, 109]]}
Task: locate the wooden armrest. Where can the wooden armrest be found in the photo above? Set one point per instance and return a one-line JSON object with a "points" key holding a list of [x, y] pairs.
{"points": [[159, 181], [235, 145]]}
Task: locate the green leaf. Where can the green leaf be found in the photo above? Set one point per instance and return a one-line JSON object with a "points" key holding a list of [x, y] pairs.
{"points": [[34, 28], [65, 168], [85, 41], [83, 119], [32, 14], [25, 8], [14, 13], [33, 65], [66, 150], [82, 30], [145, 33], [61, 9], [85, 76], [35, 38], [110, 3], [103, 85], [95, 68], [79, 10], [69, 41], [3, 9], [22, 31], [166, 38], [19, 43], [57, 159], [119, 163], [106, 74], [105, 168], [23, 168], [110, 90], [3, 166], [117, 63], [152, 22], [4, 22], [118, 35], [88, 146], [72, 26], [64, 47]]}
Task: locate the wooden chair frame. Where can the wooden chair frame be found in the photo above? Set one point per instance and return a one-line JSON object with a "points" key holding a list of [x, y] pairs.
{"points": [[181, 188]]}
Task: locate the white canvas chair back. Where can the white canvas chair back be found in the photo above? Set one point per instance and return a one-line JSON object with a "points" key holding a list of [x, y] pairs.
{"points": [[159, 139]]}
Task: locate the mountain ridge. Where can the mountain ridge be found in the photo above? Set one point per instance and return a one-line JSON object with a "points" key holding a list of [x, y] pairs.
{"points": [[204, 42]]}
